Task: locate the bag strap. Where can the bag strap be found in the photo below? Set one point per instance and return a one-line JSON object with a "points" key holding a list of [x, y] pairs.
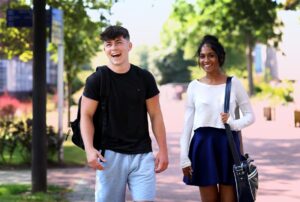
{"points": [[104, 93], [78, 110], [104, 81], [231, 142]]}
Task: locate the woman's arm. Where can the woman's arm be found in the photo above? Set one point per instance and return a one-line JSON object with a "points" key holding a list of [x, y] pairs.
{"points": [[187, 129], [243, 102]]}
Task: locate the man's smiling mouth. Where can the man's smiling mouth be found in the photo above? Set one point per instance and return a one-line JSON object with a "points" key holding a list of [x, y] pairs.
{"points": [[115, 55]]}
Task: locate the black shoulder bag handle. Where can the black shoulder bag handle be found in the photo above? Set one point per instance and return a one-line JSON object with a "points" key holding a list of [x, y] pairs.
{"points": [[245, 172], [231, 142]]}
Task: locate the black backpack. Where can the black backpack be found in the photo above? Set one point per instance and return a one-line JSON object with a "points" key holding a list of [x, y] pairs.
{"points": [[100, 116]]}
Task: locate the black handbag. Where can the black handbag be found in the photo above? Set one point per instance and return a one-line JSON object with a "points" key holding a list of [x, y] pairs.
{"points": [[244, 170]]}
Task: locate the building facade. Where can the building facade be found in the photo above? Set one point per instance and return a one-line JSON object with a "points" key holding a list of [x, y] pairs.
{"points": [[16, 76]]}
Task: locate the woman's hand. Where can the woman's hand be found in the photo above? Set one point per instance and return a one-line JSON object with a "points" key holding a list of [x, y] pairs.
{"points": [[224, 117], [188, 172]]}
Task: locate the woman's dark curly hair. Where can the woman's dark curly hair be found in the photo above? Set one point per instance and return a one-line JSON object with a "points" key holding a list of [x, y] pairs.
{"points": [[214, 44]]}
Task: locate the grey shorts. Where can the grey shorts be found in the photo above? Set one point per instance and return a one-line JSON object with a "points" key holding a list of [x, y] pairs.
{"points": [[134, 170]]}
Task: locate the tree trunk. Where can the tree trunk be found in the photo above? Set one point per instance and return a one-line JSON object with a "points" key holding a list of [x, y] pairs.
{"points": [[249, 50]]}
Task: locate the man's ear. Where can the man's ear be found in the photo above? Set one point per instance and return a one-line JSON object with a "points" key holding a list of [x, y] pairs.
{"points": [[130, 45]]}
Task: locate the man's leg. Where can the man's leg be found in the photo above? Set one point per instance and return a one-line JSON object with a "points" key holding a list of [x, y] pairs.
{"points": [[141, 180], [111, 182]]}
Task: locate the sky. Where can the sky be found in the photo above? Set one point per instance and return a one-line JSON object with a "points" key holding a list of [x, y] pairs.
{"points": [[143, 18]]}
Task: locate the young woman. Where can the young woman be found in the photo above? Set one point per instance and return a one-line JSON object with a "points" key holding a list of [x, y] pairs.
{"points": [[206, 158]]}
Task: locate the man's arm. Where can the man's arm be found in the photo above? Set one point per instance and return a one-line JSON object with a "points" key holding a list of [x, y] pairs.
{"points": [[158, 128], [88, 109]]}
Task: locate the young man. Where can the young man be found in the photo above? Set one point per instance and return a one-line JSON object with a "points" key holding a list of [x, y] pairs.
{"points": [[128, 158]]}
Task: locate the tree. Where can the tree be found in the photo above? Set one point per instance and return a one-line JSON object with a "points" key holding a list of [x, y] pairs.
{"points": [[15, 41], [173, 67], [81, 35], [254, 21], [291, 4], [238, 25]]}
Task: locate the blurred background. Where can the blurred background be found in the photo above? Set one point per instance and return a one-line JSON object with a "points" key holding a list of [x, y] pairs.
{"points": [[260, 38]]}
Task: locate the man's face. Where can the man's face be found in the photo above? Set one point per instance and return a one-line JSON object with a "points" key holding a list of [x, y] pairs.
{"points": [[117, 50]]}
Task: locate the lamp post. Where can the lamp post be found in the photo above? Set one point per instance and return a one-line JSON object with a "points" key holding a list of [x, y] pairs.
{"points": [[39, 148]]}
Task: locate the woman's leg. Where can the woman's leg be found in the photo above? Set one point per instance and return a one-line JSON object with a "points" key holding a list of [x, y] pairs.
{"points": [[227, 193], [209, 194]]}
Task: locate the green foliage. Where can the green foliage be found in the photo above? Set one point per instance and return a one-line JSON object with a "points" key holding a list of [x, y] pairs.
{"points": [[153, 54], [76, 84], [70, 150], [11, 189], [196, 72], [237, 24], [235, 59], [236, 71], [81, 35], [142, 56], [14, 41], [291, 5], [174, 68], [7, 140], [16, 136], [83, 75], [275, 92], [21, 193]]}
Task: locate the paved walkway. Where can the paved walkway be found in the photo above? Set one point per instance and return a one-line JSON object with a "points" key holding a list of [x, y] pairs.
{"points": [[273, 144]]}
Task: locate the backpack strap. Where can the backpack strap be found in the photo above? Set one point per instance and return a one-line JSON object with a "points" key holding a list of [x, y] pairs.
{"points": [[78, 109], [104, 81], [104, 94]]}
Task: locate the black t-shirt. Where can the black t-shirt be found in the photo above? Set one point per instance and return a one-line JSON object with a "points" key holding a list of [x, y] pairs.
{"points": [[127, 130]]}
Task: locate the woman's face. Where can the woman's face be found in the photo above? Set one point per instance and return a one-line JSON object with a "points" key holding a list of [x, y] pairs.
{"points": [[208, 59]]}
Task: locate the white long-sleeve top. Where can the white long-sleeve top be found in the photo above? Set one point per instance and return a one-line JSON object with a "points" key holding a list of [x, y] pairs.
{"points": [[203, 107]]}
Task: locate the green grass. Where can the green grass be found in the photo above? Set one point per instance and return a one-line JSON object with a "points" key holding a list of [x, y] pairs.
{"points": [[73, 156], [16, 158], [22, 193]]}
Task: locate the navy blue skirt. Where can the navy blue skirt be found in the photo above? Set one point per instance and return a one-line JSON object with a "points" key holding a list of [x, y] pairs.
{"points": [[211, 157]]}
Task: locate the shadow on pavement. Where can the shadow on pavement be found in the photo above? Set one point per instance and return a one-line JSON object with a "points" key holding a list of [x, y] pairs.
{"points": [[278, 163]]}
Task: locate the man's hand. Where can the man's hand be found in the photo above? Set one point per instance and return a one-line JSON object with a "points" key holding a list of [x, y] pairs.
{"points": [[93, 158], [188, 172], [161, 162]]}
